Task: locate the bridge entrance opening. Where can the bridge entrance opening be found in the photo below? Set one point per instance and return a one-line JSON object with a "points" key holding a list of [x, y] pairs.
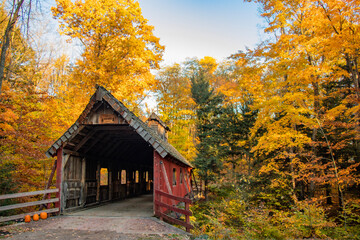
{"points": [[103, 163]]}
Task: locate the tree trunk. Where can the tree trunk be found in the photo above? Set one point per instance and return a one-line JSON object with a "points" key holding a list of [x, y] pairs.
{"points": [[315, 86], [206, 190], [292, 172], [355, 77], [328, 194], [233, 169], [6, 38]]}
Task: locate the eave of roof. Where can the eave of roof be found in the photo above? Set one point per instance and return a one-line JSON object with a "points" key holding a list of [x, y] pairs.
{"points": [[162, 147]]}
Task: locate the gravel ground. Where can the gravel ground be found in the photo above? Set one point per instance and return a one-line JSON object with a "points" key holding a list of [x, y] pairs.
{"points": [[79, 227]]}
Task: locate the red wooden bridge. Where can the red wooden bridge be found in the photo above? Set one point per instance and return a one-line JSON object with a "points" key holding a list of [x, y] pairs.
{"points": [[110, 154]]}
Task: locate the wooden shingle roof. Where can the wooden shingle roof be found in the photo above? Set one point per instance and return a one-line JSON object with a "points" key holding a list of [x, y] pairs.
{"points": [[149, 135]]}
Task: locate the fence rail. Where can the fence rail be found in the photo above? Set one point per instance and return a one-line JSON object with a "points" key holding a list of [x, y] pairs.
{"points": [[28, 204], [162, 215]]}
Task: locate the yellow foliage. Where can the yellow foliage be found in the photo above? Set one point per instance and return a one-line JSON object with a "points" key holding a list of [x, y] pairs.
{"points": [[119, 46], [208, 64]]}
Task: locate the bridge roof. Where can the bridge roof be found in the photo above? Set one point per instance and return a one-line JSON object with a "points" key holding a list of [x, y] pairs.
{"points": [[150, 136]]}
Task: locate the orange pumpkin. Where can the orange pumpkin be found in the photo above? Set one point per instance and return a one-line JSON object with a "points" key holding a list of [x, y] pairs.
{"points": [[36, 217], [43, 215], [27, 218]]}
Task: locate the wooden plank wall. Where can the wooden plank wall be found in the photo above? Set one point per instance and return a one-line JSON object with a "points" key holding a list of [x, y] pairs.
{"points": [[72, 181]]}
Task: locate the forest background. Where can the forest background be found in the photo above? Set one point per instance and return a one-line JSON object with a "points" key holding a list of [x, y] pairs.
{"points": [[273, 131]]}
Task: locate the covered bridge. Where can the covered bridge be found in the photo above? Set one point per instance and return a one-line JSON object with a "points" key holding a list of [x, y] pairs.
{"points": [[109, 153]]}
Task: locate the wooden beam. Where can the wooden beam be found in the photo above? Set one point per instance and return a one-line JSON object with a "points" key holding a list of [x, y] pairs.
{"points": [[180, 199], [166, 177], [27, 204], [175, 209], [111, 147], [117, 127], [71, 152], [176, 221], [128, 139], [26, 194], [81, 134], [97, 140], [84, 140], [124, 150]]}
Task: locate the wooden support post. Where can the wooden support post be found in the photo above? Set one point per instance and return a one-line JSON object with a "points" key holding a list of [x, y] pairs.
{"points": [[83, 189], [186, 182], [156, 183], [110, 185], [193, 176], [187, 217], [98, 182], [59, 177]]}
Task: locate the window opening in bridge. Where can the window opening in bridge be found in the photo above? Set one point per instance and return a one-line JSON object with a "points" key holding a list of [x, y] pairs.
{"points": [[104, 177], [181, 176], [123, 176], [118, 178], [137, 176], [147, 176], [174, 176]]}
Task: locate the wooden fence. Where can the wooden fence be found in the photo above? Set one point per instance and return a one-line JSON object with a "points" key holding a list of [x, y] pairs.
{"points": [[28, 204], [162, 215]]}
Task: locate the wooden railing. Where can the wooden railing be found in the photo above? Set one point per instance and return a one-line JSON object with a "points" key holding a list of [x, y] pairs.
{"points": [[159, 204], [28, 204]]}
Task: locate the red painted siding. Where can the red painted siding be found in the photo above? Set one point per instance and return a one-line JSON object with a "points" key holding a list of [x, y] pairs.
{"points": [[164, 179]]}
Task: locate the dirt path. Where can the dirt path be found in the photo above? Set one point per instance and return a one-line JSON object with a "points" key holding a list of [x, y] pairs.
{"points": [[87, 227]]}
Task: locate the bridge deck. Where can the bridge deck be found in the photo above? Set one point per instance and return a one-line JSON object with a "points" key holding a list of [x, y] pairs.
{"points": [[141, 206]]}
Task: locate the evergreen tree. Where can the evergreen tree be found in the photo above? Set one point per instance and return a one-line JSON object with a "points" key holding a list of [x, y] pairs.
{"points": [[208, 112]]}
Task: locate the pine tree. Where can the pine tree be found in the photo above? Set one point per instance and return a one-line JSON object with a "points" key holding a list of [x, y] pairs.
{"points": [[208, 113]]}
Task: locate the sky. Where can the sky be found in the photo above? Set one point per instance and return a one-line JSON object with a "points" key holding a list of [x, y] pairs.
{"points": [[198, 28], [188, 28]]}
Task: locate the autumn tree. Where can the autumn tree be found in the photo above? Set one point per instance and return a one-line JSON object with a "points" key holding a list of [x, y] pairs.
{"points": [[175, 105], [292, 79], [11, 13], [119, 48], [25, 131], [31, 114]]}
